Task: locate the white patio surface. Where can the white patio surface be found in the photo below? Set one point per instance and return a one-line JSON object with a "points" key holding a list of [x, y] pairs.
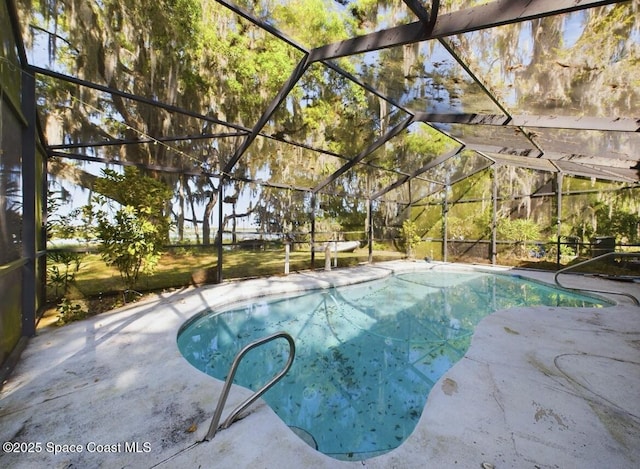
{"points": [[543, 387]]}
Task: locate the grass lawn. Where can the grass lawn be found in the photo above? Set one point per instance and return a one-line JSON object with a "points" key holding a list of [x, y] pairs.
{"points": [[99, 288], [174, 269]]}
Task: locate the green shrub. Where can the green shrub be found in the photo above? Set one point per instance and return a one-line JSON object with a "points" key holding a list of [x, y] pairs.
{"points": [[133, 234], [69, 311], [128, 243], [521, 231], [409, 237]]}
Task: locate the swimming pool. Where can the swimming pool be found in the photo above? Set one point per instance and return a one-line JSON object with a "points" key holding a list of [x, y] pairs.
{"points": [[367, 354]]}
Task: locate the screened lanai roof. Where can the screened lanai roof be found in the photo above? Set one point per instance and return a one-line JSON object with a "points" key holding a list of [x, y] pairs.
{"points": [[547, 85]]}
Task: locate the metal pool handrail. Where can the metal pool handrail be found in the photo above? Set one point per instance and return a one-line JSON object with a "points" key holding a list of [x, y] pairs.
{"points": [[213, 428], [594, 259]]}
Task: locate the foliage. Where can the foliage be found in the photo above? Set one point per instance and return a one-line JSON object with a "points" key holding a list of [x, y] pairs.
{"points": [[457, 228], [409, 237], [347, 214], [607, 209], [131, 235], [200, 55], [326, 228], [519, 230], [69, 311], [620, 223], [128, 243], [473, 226], [317, 24], [10, 212], [566, 251], [61, 274], [62, 265], [274, 214], [145, 195]]}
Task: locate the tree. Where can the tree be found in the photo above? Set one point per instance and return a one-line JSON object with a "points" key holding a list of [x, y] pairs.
{"points": [[148, 196], [127, 243], [133, 234], [193, 54], [410, 237], [519, 230]]}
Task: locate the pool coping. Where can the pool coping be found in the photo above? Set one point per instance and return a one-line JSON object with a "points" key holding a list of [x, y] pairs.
{"points": [[83, 384]]}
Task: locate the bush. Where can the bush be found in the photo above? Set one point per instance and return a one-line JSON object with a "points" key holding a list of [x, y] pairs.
{"points": [[409, 237], [520, 230], [133, 234], [69, 311], [128, 244], [62, 274]]}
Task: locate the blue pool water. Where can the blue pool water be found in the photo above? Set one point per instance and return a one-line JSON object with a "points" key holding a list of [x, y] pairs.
{"points": [[367, 355]]}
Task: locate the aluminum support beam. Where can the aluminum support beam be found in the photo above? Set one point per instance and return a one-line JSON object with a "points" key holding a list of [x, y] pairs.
{"points": [[266, 115], [29, 206], [428, 18], [616, 124], [494, 214], [116, 142], [493, 14], [370, 229], [559, 215], [463, 118], [314, 205], [527, 152], [445, 218], [220, 229]]}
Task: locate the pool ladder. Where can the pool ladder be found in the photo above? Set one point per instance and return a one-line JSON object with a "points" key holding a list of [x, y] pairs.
{"points": [[213, 428], [594, 259]]}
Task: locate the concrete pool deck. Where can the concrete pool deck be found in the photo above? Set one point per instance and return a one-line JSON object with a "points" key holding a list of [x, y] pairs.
{"points": [[543, 387]]}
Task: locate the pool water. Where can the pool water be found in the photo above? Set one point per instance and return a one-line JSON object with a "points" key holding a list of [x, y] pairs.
{"points": [[367, 355]]}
